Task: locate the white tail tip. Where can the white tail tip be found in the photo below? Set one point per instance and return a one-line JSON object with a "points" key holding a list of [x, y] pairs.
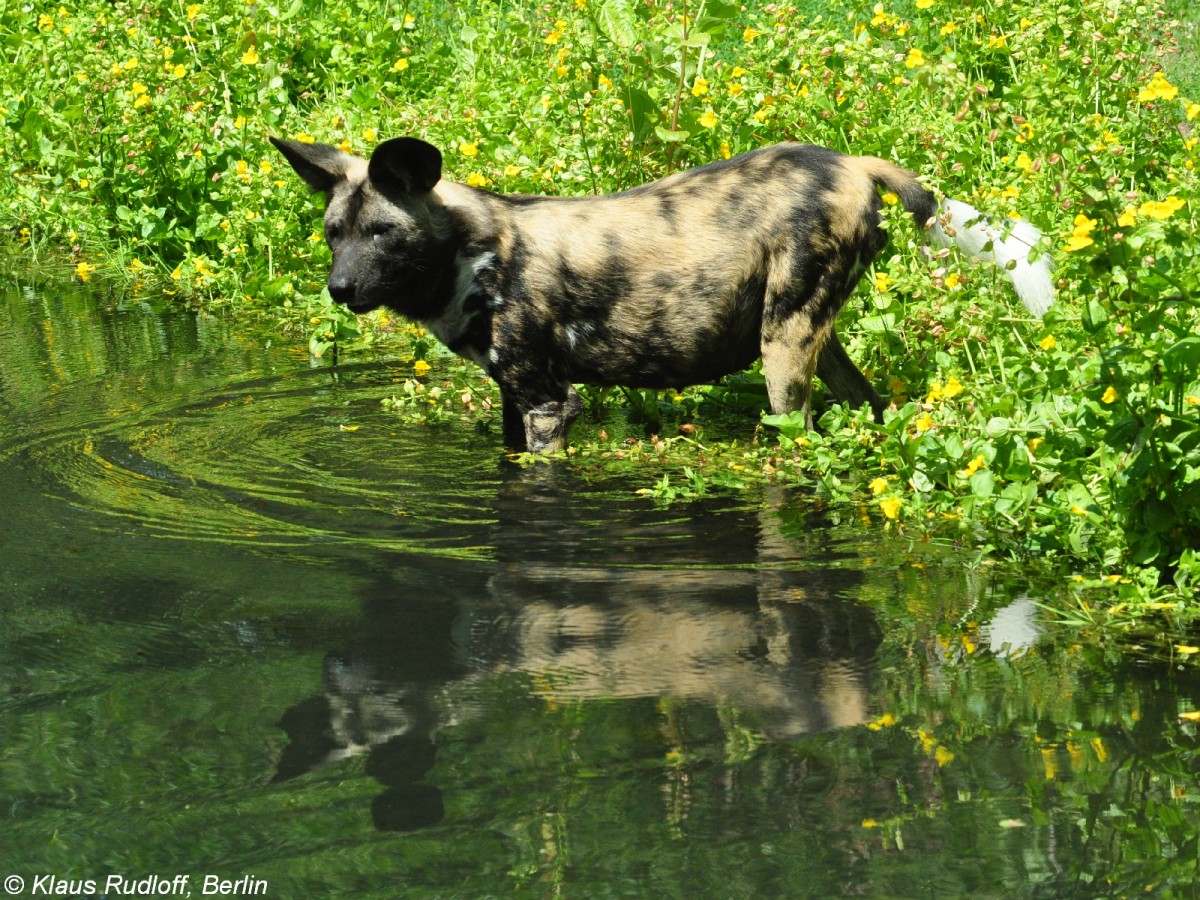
{"points": [[963, 226]]}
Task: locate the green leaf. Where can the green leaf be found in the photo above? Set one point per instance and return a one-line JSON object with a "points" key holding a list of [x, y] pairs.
{"points": [[878, 324], [1183, 357], [983, 483], [616, 20], [921, 481], [998, 426], [1094, 316], [671, 137]]}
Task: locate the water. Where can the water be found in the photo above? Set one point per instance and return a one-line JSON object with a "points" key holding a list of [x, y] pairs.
{"points": [[255, 626]]}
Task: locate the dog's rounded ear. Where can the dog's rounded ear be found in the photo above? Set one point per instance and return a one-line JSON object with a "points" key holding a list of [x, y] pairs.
{"points": [[320, 165], [408, 164]]}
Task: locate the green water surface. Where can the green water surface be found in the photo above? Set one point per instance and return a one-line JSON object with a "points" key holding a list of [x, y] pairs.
{"points": [[255, 626]]}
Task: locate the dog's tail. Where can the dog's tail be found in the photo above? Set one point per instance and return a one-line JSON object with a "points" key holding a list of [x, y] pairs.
{"points": [[962, 225]]}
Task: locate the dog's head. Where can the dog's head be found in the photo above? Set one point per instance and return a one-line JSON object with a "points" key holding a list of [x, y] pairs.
{"points": [[392, 239]]}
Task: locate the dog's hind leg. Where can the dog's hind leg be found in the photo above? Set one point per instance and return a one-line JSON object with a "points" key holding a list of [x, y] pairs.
{"points": [[844, 380], [795, 330], [789, 354]]}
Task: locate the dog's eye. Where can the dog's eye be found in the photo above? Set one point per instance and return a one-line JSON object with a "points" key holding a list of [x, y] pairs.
{"points": [[378, 231], [332, 233]]}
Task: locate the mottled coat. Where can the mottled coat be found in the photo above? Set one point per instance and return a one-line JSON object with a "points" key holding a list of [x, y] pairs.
{"points": [[676, 282]]}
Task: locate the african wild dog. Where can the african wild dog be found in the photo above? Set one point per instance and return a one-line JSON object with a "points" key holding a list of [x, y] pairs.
{"points": [[676, 282]]}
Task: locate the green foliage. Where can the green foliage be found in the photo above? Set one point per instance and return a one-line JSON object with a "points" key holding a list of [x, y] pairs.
{"points": [[137, 149]]}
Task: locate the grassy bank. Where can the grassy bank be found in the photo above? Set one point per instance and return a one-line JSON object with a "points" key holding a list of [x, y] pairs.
{"points": [[137, 151]]}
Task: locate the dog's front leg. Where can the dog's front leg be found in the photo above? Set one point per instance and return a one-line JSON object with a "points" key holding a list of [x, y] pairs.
{"points": [[536, 423]]}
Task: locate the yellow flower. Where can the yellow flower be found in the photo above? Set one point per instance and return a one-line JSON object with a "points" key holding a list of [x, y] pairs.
{"points": [[193, 10], [891, 507], [1048, 342], [141, 101], [948, 28], [878, 486], [700, 87], [883, 18], [953, 387], [1186, 649], [924, 4], [750, 34], [890, 199], [997, 40], [468, 149], [179, 71], [306, 138], [887, 720], [935, 392], [421, 368], [1110, 394], [1024, 133], [1080, 234], [869, 823], [344, 145], [400, 65], [1127, 219], [130, 64], [239, 123], [923, 423], [250, 57], [882, 282], [1161, 209], [512, 171], [915, 60], [45, 23], [84, 271], [708, 120], [369, 135], [942, 755], [974, 466], [477, 180], [1193, 111], [953, 279], [1024, 163], [1158, 89], [137, 88]]}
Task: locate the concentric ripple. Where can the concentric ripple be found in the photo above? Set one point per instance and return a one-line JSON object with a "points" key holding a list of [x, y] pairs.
{"points": [[301, 456]]}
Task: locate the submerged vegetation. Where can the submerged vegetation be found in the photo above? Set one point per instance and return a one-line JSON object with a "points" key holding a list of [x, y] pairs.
{"points": [[136, 151]]}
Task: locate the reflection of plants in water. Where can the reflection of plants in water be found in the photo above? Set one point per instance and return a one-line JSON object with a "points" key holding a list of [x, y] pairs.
{"points": [[1103, 783]]}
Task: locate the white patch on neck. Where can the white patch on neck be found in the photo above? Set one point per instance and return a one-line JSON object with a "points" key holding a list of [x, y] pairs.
{"points": [[454, 319]]}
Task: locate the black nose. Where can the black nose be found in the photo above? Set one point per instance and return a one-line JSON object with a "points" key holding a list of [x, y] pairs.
{"points": [[341, 289]]}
